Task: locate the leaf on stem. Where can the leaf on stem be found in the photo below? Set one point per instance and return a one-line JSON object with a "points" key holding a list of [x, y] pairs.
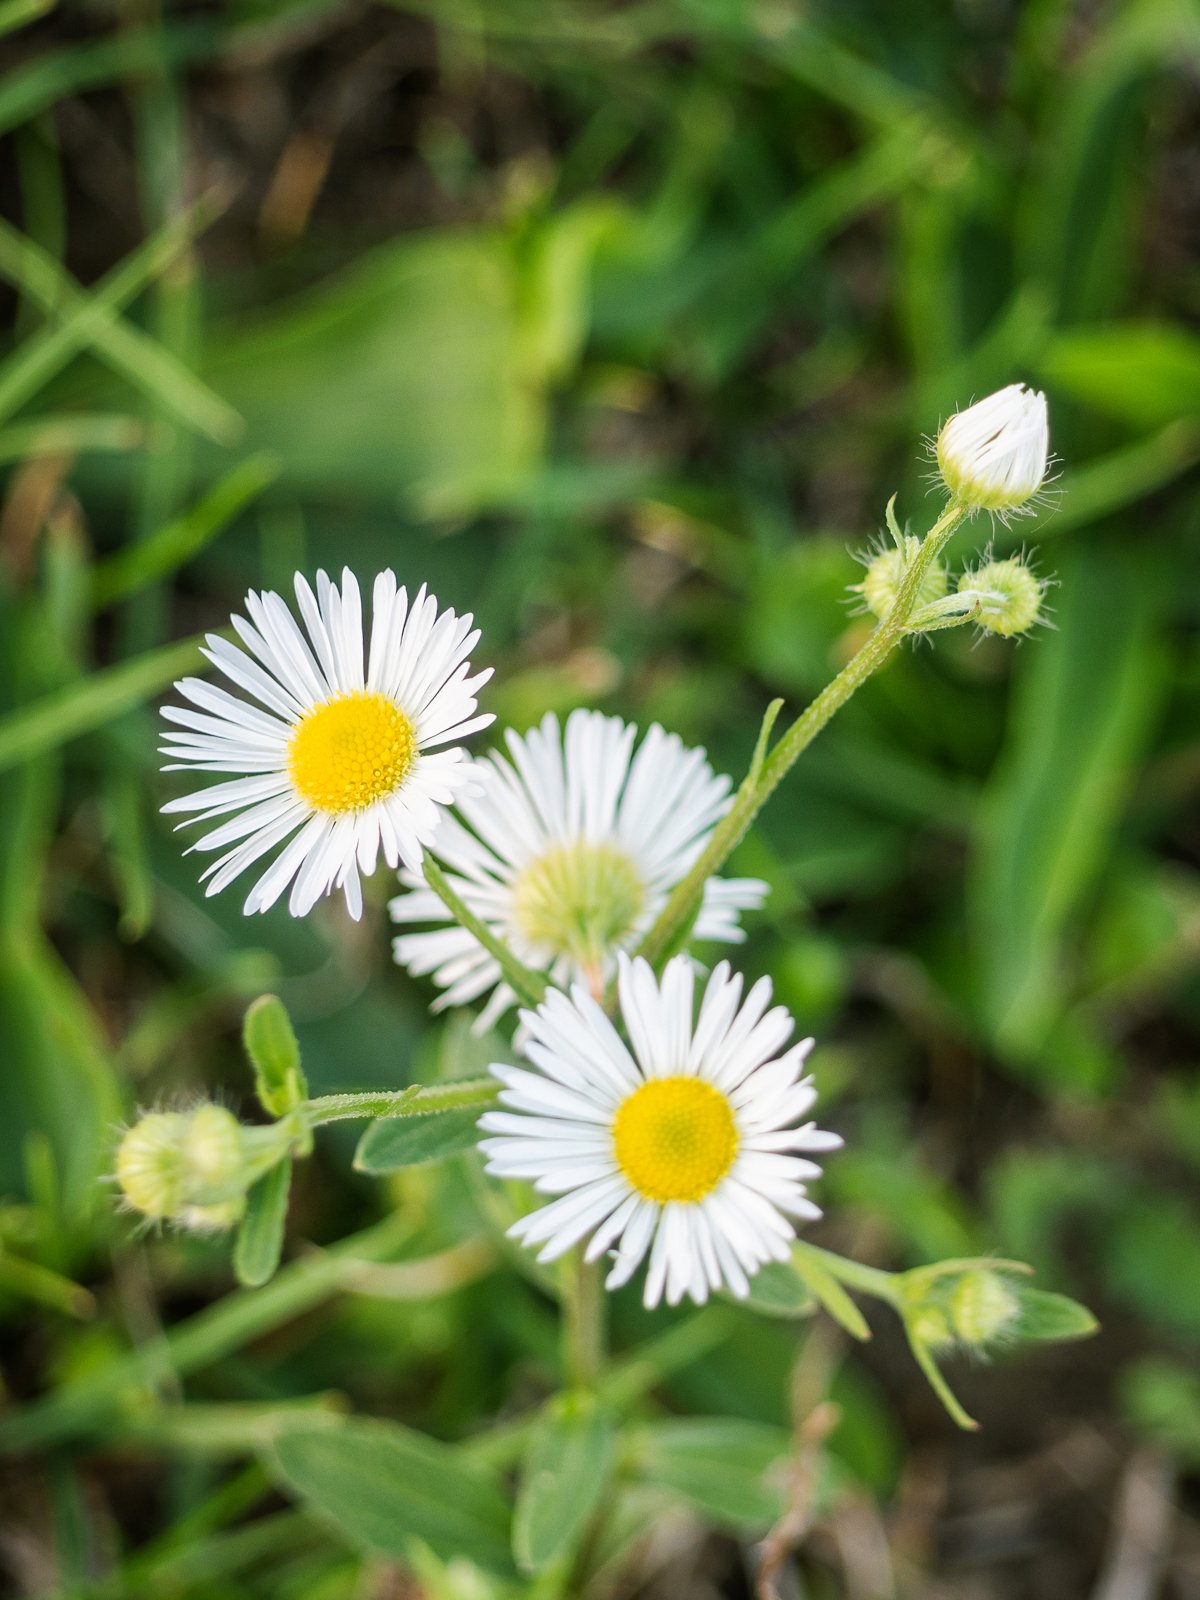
{"points": [[274, 1052], [260, 1238], [382, 1485], [413, 1141], [563, 1478]]}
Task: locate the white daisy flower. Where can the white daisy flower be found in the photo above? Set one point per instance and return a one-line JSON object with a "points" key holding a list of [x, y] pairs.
{"points": [[340, 756], [993, 456], [684, 1145], [569, 854]]}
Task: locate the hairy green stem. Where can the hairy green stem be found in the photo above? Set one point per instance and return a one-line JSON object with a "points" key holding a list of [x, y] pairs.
{"points": [[527, 985], [583, 1323], [417, 1100], [679, 911]]}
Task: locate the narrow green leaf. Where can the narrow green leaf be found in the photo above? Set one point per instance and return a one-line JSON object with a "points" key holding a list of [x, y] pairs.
{"points": [[89, 319], [138, 565], [1048, 1316], [770, 717], [565, 1473], [412, 1141], [16, 13], [260, 1238], [274, 1052], [825, 1288], [91, 702], [938, 1384], [382, 1485]]}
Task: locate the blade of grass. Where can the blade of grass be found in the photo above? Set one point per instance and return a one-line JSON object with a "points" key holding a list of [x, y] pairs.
{"points": [[131, 569], [72, 435], [200, 1340], [90, 320], [91, 702], [16, 13]]}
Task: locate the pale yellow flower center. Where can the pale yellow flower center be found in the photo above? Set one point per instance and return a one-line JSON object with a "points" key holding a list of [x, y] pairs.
{"points": [[350, 752], [675, 1139], [578, 899]]}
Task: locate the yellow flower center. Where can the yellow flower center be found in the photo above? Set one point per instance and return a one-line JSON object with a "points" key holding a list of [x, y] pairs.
{"points": [[579, 899], [675, 1138], [350, 752]]}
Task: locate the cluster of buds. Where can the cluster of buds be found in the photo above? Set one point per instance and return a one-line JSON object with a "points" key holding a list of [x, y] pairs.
{"points": [[194, 1167], [973, 1309], [992, 457]]}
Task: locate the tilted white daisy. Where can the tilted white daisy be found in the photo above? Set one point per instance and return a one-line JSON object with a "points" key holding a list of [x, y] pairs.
{"points": [[683, 1143], [569, 853], [341, 756]]}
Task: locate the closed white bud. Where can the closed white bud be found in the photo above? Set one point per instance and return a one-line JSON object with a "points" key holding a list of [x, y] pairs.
{"points": [[993, 456], [1007, 594]]}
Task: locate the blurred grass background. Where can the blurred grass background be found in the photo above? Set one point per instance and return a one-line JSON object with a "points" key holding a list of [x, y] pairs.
{"points": [[618, 325]]}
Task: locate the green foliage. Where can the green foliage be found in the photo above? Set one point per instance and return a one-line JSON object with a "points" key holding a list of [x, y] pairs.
{"points": [[563, 1479], [618, 326], [260, 1237], [382, 1486]]}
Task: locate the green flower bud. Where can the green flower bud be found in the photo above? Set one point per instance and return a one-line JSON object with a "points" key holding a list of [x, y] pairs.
{"points": [[214, 1157], [929, 1326], [213, 1219], [1009, 596], [150, 1168], [885, 573], [982, 1305]]}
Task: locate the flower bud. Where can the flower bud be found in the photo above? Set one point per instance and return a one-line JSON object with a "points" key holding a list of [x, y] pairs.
{"points": [[993, 456], [193, 1167], [982, 1305], [929, 1326], [213, 1152], [885, 573], [150, 1164], [1009, 596], [213, 1219]]}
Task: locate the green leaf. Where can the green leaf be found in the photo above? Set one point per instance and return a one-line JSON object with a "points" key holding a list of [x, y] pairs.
{"points": [[1083, 710], [565, 1473], [1162, 1399], [1144, 373], [271, 1044], [91, 702], [1048, 1316], [825, 1288], [727, 1468], [382, 1485], [413, 1141], [142, 563], [260, 1238], [779, 1290]]}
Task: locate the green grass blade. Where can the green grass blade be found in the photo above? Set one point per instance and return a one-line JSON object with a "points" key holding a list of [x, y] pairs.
{"points": [[175, 544], [90, 703]]}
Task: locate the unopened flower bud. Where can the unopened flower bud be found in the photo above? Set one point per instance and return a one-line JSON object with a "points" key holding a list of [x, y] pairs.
{"points": [[929, 1326], [993, 456], [213, 1219], [150, 1164], [1009, 596], [194, 1167], [982, 1305], [214, 1159], [885, 573]]}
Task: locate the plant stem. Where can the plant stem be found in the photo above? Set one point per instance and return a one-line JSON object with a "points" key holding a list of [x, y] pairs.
{"points": [[527, 985], [867, 1280], [583, 1323], [417, 1100], [754, 793]]}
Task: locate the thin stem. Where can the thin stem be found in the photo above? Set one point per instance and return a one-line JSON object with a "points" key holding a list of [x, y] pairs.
{"points": [[583, 1323], [754, 793], [527, 985], [415, 1101], [867, 1280]]}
